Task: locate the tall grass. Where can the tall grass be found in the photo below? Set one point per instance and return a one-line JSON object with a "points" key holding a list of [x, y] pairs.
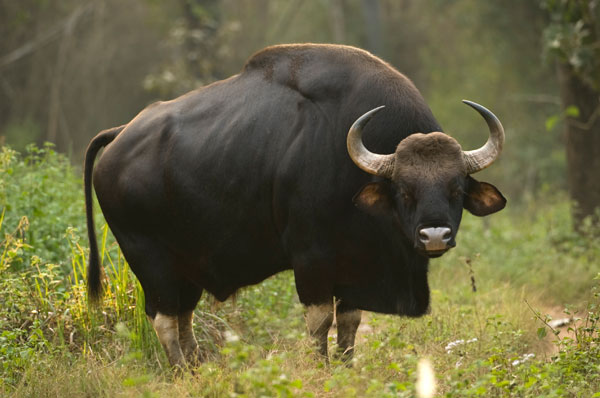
{"points": [[46, 308], [481, 336]]}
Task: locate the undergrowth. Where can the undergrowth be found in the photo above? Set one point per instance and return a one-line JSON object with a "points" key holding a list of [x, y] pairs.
{"points": [[488, 333]]}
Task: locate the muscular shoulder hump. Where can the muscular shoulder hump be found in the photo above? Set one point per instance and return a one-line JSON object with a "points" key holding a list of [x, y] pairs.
{"points": [[318, 69], [267, 57]]}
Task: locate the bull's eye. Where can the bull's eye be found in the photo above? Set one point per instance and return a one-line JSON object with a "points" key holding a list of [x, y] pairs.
{"points": [[406, 197], [456, 193]]}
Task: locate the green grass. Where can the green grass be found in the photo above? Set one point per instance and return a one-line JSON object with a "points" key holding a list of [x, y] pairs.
{"points": [[52, 344]]}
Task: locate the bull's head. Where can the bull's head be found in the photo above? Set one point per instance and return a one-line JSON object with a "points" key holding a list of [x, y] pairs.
{"points": [[427, 182]]}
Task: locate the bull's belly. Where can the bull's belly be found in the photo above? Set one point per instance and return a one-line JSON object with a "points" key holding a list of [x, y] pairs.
{"points": [[223, 271], [220, 259]]}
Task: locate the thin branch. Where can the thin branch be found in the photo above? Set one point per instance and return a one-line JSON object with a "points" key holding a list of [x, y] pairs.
{"points": [[44, 38], [31, 46], [587, 125], [537, 315]]}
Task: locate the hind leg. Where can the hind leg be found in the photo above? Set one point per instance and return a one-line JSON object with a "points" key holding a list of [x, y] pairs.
{"points": [[176, 335], [173, 322], [170, 299], [167, 331]]}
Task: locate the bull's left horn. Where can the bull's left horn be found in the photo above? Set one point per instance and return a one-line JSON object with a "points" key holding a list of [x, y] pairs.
{"points": [[481, 158], [372, 163]]}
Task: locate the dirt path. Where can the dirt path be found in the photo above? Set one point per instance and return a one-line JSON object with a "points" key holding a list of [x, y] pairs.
{"points": [[561, 322]]}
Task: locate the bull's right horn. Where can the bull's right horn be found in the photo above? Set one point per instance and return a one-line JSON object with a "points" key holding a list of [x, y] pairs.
{"points": [[481, 158], [372, 163]]}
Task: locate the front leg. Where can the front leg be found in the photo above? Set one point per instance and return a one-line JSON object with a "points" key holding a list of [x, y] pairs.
{"points": [[319, 319], [347, 324], [348, 320], [315, 291]]}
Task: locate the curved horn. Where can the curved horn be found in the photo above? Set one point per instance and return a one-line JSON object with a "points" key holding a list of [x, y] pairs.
{"points": [[372, 163], [481, 158]]}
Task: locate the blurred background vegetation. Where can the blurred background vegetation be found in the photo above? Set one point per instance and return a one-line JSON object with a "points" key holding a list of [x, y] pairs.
{"points": [[71, 68]]}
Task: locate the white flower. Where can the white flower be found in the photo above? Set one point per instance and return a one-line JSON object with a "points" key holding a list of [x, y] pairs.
{"points": [[524, 358], [456, 343], [458, 363], [231, 337]]}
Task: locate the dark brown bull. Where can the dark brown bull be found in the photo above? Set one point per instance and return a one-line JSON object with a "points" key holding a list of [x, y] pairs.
{"points": [[236, 181]]}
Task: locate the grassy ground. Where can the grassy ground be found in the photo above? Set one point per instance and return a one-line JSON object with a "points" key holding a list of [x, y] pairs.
{"points": [[485, 335]]}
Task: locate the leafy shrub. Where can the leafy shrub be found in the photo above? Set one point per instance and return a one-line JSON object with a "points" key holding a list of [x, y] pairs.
{"points": [[41, 184]]}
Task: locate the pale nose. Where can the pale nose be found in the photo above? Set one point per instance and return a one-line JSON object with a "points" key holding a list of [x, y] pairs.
{"points": [[435, 238]]}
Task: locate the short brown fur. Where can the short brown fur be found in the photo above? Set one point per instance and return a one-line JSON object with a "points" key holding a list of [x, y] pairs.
{"points": [[428, 156]]}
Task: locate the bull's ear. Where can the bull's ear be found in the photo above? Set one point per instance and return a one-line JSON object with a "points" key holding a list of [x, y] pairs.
{"points": [[374, 198], [482, 198]]}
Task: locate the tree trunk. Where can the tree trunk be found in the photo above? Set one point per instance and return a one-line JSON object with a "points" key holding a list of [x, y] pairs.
{"points": [[582, 144]]}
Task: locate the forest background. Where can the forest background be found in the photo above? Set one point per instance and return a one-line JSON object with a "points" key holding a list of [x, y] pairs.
{"points": [[70, 68]]}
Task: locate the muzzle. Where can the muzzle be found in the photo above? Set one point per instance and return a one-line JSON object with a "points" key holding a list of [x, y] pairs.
{"points": [[435, 241]]}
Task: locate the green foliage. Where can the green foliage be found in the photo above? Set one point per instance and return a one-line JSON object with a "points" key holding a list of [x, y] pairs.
{"points": [[41, 185], [571, 371], [481, 335], [22, 293], [572, 36], [534, 247], [570, 111], [45, 310]]}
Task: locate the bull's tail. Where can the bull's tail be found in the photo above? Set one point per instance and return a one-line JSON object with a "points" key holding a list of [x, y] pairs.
{"points": [[94, 271]]}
